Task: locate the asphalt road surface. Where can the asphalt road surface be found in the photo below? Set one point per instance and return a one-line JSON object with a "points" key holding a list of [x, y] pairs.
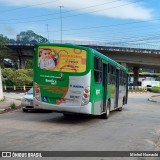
{"points": [[136, 128]]}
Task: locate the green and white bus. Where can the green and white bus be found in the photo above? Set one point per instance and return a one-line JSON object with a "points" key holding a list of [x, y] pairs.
{"points": [[76, 79]]}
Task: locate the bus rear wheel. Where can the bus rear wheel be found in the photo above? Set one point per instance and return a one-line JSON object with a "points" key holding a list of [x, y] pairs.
{"points": [[107, 112], [120, 109]]}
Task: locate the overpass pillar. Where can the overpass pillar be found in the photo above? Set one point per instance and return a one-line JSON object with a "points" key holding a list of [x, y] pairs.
{"points": [[21, 63], [21, 60], [135, 75]]}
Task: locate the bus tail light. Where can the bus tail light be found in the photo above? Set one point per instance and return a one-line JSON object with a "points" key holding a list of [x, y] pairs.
{"points": [[86, 95], [37, 92]]}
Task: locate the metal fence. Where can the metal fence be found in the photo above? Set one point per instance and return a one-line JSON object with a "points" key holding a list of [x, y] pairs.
{"points": [[24, 88], [140, 88], [16, 88]]}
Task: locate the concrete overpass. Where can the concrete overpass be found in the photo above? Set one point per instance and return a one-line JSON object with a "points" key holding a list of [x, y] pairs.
{"points": [[129, 57], [132, 57], [142, 58]]}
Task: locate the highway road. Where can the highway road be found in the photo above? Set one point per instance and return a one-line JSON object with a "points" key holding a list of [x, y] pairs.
{"points": [[135, 128]]}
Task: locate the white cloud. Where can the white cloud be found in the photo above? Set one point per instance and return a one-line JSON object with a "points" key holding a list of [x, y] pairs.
{"points": [[123, 9]]}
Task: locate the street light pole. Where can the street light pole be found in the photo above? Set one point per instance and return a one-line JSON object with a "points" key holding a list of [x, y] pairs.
{"points": [[47, 33], [61, 21]]}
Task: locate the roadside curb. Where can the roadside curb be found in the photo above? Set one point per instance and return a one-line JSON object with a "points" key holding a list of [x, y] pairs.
{"points": [[6, 105], [151, 99], [6, 110], [138, 92]]}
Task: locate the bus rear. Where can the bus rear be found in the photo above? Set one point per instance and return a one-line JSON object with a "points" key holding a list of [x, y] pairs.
{"points": [[62, 78]]}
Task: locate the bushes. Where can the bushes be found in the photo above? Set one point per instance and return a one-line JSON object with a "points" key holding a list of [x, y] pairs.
{"points": [[156, 89], [18, 77]]}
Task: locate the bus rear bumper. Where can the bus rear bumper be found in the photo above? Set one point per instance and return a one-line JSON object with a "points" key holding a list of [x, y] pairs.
{"points": [[86, 109]]}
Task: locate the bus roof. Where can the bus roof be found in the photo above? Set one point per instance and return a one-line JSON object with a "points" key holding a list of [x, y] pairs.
{"points": [[102, 56]]}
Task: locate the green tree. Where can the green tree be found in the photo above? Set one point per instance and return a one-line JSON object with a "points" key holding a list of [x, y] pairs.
{"points": [[18, 77], [2, 49], [156, 89], [30, 37], [158, 78], [29, 64], [7, 72]]}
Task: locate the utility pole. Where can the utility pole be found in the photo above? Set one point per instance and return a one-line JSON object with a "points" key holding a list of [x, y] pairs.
{"points": [[47, 33], [61, 20]]}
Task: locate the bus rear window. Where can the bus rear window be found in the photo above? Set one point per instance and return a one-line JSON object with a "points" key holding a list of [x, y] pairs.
{"points": [[62, 59]]}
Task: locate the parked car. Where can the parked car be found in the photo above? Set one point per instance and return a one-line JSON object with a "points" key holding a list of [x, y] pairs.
{"points": [[8, 62], [27, 101], [149, 88]]}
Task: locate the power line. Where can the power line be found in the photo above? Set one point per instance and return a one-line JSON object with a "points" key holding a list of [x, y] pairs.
{"points": [[118, 34], [104, 9], [28, 6], [73, 15], [126, 37], [104, 26], [63, 11], [108, 31], [129, 40], [153, 37]]}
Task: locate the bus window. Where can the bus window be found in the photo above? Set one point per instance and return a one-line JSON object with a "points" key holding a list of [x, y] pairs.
{"points": [[122, 78], [111, 74], [97, 64], [97, 70], [109, 66], [98, 76]]}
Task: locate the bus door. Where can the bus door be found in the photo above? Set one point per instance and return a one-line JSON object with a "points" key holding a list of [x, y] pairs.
{"points": [[104, 84], [117, 89]]}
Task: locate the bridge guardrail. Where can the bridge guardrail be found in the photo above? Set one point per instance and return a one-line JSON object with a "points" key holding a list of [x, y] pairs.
{"points": [[16, 88]]}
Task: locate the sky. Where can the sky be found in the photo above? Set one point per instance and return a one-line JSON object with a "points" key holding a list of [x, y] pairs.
{"points": [[112, 22]]}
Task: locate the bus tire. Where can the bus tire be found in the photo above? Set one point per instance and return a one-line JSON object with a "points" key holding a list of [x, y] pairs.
{"points": [[107, 112], [120, 109]]}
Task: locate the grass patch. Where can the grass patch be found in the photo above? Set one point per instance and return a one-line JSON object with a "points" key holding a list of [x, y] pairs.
{"points": [[13, 106], [18, 99], [2, 99], [156, 89]]}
